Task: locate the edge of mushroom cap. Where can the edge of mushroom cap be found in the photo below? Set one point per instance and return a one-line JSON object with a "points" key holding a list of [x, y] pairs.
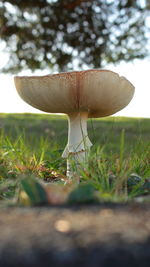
{"points": [[63, 73]]}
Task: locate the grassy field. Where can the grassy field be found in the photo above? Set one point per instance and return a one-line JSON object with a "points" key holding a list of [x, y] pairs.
{"points": [[119, 164]]}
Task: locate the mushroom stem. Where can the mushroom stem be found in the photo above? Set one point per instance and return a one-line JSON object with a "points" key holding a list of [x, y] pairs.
{"points": [[78, 144]]}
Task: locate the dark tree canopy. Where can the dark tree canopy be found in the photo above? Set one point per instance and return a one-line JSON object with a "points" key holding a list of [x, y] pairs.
{"points": [[59, 34]]}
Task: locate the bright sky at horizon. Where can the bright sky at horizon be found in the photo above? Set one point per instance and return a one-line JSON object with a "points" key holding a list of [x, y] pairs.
{"points": [[137, 73]]}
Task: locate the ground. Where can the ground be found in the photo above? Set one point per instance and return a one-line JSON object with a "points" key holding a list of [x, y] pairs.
{"points": [[102, 235], [91, 235]]}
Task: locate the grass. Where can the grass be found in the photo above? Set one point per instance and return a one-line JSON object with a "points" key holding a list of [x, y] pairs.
{"points": [[119, 163]]}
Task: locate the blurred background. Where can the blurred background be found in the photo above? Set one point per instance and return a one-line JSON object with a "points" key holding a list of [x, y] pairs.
{"points": [[39, 37]]}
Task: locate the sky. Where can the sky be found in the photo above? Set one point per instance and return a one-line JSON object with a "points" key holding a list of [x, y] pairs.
{"points": [[138, 73]]}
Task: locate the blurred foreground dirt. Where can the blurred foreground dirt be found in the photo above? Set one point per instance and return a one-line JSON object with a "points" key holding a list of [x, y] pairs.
{"points": [[91, 236]]}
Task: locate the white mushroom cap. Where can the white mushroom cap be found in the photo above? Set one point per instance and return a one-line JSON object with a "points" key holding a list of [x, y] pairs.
{"points": [[98, 92]]}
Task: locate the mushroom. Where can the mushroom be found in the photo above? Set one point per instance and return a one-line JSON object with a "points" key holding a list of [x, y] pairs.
{"points": [[81, 95]]}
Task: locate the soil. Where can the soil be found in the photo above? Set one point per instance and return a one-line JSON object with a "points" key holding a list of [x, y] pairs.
{"points": [[105, 235]]}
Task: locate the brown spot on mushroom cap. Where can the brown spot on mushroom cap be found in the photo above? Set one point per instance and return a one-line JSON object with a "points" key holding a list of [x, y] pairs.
{"points": [[100, 92]]}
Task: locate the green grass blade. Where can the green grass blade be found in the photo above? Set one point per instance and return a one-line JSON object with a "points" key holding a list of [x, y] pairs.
{"points": [[122, 143], [34, 190]]}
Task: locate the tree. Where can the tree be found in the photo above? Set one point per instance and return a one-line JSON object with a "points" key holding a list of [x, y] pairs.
{"points": [[60, 34]]}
